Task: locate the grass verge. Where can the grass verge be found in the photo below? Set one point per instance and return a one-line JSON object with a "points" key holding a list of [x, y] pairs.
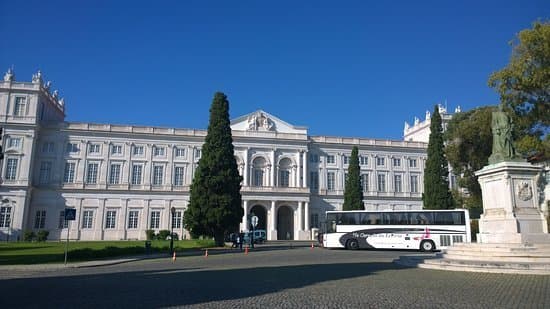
{"points": [[20, 253]]}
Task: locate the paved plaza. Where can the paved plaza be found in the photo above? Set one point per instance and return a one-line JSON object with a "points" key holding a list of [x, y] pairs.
{"points": [[273, 276]]}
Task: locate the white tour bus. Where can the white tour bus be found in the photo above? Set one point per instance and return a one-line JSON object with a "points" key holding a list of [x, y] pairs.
{"points": [[425, 230]]}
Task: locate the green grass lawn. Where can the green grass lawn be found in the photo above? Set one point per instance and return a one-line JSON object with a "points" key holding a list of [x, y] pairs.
{"points": [[54, 252]]}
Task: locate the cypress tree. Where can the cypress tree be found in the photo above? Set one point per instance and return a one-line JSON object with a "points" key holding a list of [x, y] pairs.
{"points": [[353, 194], [436, 174], [215, 198]]}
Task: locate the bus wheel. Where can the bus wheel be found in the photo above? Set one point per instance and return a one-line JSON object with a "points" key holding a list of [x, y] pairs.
{"points": [[427, 245], [352, 244]]}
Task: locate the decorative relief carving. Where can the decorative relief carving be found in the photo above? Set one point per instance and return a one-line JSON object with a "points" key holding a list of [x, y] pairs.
{"points": [[525, 192], [259, 122]]}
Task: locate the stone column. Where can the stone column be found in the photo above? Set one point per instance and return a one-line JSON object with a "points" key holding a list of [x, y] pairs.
{"points": [[304, 183], [101, 218], [300, 221], [125, 218], [246, 172], [273, 222], [306, 216], [273, 168], [244, 225], [298, 171]]}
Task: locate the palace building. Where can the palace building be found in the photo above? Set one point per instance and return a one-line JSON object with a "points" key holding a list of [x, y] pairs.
{"points": [[125, 179]]}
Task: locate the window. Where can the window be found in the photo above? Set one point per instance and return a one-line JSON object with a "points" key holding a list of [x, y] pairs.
{"points": [[346, 159], [331, 180], [72, 148], [87, 219], [330, 159], [110, 219], [68, 175], [133, 217], [365, 182], [14, 142], [381, 183], [380, 161], [136, 174], [158, 151], [20, 107], [314, 180], [158, 174], [176, 220], [396, 162], [94, 148], [91, 176], [313, 158], [284, 178], [258, 177], [197, 153], [314, 221], [48, 147], [5, 216], [63, 224], [138, 151], [11, 169], [114, 174], [363, 160], [179, 174], [116, 149], [397, 183], [40, 219], [155, 220], [412, 162], [45, 171], [414, 184], [180, 152]]}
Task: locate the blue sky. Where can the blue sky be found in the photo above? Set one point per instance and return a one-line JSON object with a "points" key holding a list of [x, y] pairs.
{"points": [[346, 68]]}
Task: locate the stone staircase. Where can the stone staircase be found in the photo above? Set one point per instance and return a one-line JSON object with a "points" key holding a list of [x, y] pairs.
{"points": [[533, 259]]}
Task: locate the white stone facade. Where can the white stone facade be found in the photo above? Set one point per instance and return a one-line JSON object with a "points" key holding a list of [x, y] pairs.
{"points": [[123, 180]]}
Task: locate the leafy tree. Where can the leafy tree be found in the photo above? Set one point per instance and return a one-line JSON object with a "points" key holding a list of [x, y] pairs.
{"points": [[215, 198], [353, 194], [524, 88], [469, 142], [436, 174]]}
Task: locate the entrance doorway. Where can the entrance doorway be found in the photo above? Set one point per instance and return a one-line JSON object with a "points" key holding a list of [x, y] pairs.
{"points": [[260, 212], [285, 223]]}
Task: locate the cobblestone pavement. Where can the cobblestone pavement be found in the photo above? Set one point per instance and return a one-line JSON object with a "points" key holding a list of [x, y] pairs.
{"points": [[271, 277]]}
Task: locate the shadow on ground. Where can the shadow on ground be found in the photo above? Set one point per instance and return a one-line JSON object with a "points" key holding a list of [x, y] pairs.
{"points": [[173, 287]]}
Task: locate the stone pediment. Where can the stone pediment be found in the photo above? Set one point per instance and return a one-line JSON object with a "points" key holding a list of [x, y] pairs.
{"points": [[261, 121]]}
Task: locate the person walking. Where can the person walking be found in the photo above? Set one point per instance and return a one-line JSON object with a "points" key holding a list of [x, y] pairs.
{"points": [[240, 240]]}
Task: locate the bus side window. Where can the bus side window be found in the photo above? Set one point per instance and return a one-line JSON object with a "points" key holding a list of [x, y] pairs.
{"points": [[414, 218]]}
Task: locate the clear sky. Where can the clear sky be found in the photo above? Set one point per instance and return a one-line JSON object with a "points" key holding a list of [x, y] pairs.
{"points": [[341, 68]]}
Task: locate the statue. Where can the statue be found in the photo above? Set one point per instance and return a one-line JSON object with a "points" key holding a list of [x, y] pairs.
{"points": [[265, 123], [252, 123], [37, 78], [9, 76], [503, 148]]}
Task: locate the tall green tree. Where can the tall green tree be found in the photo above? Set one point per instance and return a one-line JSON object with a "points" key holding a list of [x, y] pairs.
{"points": [[524, 88], [469, 141], [215, 198], [353, 194], [437, 194]]}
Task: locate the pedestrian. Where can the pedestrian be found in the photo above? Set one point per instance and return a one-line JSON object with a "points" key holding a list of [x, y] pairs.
{"points": [[240, 240], [234, 238]]}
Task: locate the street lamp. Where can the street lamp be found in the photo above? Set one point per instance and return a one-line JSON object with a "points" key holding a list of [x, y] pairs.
{"points": [[173, 211]]}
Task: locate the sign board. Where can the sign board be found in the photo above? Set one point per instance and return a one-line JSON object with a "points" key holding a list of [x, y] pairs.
{"points": [[70, 214], [254, 221]]}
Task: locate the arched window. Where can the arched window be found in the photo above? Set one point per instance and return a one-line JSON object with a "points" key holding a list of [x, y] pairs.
{"points": [[285, 166], [259, 167]]}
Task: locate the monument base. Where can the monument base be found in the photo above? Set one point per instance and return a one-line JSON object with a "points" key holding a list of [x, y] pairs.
{"points": [[510, 205]]}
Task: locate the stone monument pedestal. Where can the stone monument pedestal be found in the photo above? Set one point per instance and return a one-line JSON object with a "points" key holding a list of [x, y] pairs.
{"points": [[511, 213]]}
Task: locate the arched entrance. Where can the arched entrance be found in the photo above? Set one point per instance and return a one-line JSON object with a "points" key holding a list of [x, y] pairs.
{"points": [[260, 212], [285, 223]]}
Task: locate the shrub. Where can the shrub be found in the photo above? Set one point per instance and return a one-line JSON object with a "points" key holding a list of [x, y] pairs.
{"points": [[150, 234], [163, 234], [42, 235], [28, 235], [175, 236]]}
